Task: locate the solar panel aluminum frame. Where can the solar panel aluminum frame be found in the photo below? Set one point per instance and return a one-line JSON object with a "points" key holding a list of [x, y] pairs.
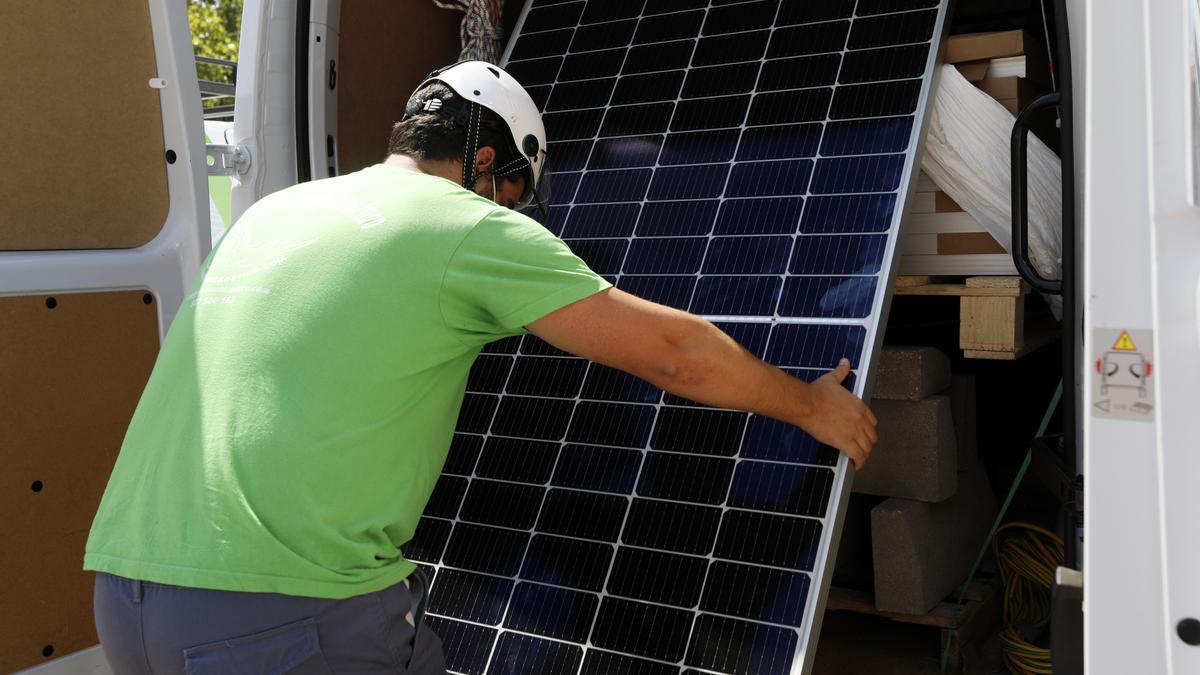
{"points": [[865, 383], [833, 520]]}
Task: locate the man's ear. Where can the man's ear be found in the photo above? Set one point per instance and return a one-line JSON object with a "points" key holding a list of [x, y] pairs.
{"points": [[484, 159]]}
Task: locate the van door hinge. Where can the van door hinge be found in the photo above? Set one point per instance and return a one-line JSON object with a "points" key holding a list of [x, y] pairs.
{"points": [[227, 160]]}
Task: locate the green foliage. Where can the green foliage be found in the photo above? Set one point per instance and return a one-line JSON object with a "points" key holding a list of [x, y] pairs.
{"points": [[216, 27]]}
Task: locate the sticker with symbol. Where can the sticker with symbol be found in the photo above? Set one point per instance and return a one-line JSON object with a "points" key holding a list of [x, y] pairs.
{"points": [[1123, 384], [1125, 343]]}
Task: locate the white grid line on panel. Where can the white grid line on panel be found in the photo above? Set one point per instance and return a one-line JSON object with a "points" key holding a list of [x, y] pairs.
{"points": [[751, 94], [659, 405], [751, 30], [551, 485]]}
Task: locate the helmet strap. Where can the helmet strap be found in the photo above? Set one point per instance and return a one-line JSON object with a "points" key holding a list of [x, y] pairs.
{"points": [[472, 148]]}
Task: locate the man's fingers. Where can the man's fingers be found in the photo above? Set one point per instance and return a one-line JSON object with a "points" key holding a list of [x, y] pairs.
{"points": [[872, 435], [857, 453], [850, 449], [866, 444], [871, 416], [842, 370]]}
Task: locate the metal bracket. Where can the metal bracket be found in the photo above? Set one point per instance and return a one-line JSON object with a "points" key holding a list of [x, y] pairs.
{"points": [[227, 160]]}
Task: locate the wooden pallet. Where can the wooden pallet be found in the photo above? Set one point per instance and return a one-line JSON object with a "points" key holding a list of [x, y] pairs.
{"points": [[963, 626], [991, 314]]}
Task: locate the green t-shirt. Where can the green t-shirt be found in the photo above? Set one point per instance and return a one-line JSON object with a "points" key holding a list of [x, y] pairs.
{"points": [[305, 397]]}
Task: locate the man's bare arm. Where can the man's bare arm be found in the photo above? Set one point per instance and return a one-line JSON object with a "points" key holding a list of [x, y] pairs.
{"points": [[692, 358]]}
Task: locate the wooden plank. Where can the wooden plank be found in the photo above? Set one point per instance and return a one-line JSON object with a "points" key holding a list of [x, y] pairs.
{"points": [[991, 323], [925, 183], [977, 590], [1034, 340], [936, 223], [962, 627], [966, 641], [917, 244], [948, 614], [987, 355], [960, 290], [997, 282], [910, 281], [957, 265], [922, 203], [952, 613], [860, 602]]}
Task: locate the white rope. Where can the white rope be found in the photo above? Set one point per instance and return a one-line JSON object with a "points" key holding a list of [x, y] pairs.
{"points": [[1046, 32], [481, 32]]}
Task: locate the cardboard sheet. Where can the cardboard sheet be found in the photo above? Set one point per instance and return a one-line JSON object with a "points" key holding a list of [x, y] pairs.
{"points": [[83, 149], [72, 375]]}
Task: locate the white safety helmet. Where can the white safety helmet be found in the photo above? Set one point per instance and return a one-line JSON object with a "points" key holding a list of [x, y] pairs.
{"points": [[481, 84]]}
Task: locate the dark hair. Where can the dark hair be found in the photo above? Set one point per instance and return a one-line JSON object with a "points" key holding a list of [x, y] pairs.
{"points": [[428, 135]]}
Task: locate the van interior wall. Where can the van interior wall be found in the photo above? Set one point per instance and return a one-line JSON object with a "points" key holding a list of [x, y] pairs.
{"points": [[75, 364], [385, 49], [83, 121]]}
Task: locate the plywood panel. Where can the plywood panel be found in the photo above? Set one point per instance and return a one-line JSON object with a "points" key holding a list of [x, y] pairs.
{"points": [[83, 152], [386, 48], [72, 368]]}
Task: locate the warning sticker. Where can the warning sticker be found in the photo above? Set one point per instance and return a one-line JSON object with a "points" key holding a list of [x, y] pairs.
{"points": [[1124, 343], [1122, 380]]}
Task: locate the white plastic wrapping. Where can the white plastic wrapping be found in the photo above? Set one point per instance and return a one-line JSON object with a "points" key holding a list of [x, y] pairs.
{"points": [[967, 155]]}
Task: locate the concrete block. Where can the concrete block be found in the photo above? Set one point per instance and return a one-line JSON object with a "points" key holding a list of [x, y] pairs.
{"points": [[922, 552], [910, 373], [963, 405], [915, 457]]}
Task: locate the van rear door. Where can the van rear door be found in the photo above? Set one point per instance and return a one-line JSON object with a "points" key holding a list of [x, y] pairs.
{"points": [[285, 107], [103, 224]]}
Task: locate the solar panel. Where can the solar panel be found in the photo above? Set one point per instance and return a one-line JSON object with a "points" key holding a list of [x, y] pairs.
{"points": [[746, 161]]}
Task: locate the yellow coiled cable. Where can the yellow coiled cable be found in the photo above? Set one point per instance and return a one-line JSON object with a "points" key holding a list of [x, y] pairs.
{"points": [[1027, 556]]}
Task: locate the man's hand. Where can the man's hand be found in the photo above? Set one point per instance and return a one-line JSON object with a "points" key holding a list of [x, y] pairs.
{"points": [[841, 419]]}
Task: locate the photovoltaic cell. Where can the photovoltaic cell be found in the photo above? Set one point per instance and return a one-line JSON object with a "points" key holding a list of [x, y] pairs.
{"points": [[746, 160], [658, 576], [517, 654], [570, 563], [720, 49], [642, 629], [467, 646], [551, 612]]}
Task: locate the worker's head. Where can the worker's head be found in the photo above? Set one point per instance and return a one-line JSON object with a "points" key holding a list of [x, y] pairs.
{"points": [[476, 113]]}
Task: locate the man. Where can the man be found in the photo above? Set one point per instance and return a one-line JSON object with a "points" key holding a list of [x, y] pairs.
{"points": [[302, 405]]}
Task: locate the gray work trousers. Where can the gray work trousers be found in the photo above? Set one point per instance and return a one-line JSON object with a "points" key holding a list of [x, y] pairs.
{"points": [[148, 628]]}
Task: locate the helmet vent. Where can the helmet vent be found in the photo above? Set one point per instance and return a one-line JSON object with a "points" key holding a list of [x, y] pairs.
{"points": [[494, 72], [529, 144]]}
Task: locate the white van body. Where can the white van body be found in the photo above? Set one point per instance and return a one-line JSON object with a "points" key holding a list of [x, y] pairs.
{"points": [[1137, 106]]}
